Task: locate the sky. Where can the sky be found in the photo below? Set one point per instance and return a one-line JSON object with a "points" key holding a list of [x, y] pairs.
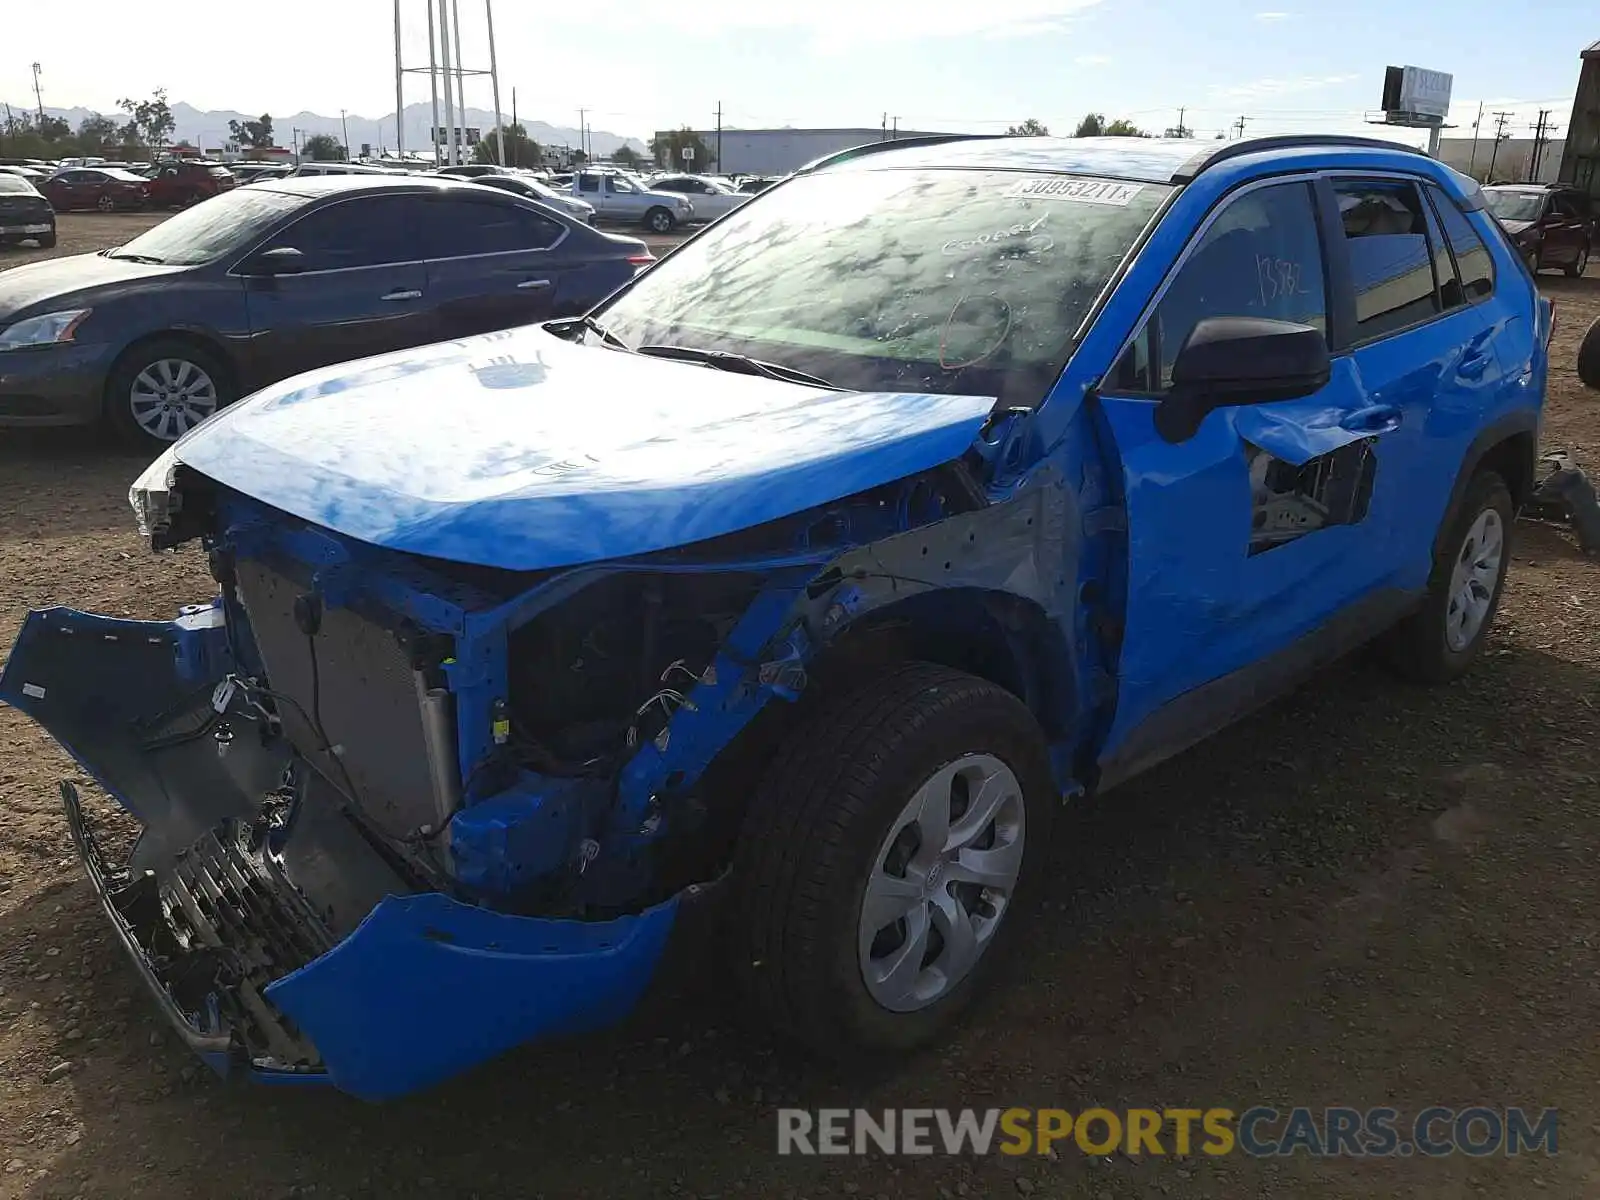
{"points": [[957, 65]]}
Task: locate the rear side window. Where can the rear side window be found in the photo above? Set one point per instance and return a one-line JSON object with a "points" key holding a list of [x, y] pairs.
{"points": [[588, 183], [1260, 257], [371, 231], [1391, 267], [1474, 266], [458, 228]]}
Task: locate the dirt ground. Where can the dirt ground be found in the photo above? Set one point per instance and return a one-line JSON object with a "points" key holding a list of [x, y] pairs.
{"points": [[1370, 894]]}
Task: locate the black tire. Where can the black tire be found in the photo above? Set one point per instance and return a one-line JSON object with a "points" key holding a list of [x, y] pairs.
{"points": [[1578, 265], [47, 241], [660, 220], [119, 386], [1589, 356], [1418, 648], [829, 799]]}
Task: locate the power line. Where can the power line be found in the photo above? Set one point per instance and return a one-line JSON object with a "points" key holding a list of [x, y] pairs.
{"points": [[1500, 119], [1239, 125], [1541, 138]]}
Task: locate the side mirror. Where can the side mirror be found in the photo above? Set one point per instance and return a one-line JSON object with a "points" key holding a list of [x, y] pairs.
{"points": [[285, 260], [1240, 360]]}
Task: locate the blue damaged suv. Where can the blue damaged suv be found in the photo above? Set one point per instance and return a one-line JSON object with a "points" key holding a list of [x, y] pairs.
{"points": [[773, 609]]}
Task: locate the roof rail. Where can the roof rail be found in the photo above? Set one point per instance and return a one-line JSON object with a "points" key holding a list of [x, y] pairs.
{"points": [[925, 139], [1208, 158]]}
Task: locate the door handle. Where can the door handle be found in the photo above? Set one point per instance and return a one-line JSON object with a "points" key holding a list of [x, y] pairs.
{"points": [[533, 285], [1474, 360], [407, 294], [1376, 418]]}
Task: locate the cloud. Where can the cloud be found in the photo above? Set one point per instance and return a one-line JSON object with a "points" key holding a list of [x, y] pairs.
{"points": [[1092, 60], [1273, 16], [1262, 89]]}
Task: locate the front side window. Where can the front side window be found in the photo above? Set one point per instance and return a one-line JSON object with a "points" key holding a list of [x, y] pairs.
{"points": [[370, 231], [1391, 265], [925, 280], [588, 183], [1260, 257], [225, 224], [1512, 205]]}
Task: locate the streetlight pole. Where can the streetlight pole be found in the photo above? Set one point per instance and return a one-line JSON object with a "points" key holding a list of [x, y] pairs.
{"points": [[345, 126], [449, 101], [399, 91], [494, 83], [461, 74]]}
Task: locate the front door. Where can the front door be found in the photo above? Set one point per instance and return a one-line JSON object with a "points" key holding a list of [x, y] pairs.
{"points": [[1259, 529], [362, 289]]}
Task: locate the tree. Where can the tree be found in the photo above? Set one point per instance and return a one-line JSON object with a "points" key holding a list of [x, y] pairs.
{"points": [[521, 150], [323, 147], [668, 148], [152, 119], [97, 133], [627, 156], [579, 158], [1122, 127], [1030, 128], [1093, 125], [54, 129], [256, 134]]}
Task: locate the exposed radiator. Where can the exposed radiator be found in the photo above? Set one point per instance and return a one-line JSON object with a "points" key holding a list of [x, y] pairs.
{"points": [[369, 706]]}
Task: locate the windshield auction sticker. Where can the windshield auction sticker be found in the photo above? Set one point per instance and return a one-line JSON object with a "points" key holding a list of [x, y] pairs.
{"points": [[1087, 191]]}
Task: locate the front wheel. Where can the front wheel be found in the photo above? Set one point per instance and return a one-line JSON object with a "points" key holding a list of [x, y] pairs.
{"points": [[105, 204], [1580, 264], [1441, 639], [659, 220], [888, 859], [159, 391]]}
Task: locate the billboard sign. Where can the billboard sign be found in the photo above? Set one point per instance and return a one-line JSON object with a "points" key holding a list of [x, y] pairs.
{"points": [[1416, 92]]}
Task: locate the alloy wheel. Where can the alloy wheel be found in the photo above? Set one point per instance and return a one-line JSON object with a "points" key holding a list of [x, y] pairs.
{"points": [[1474, 579], [941, 883], [170, 397]]}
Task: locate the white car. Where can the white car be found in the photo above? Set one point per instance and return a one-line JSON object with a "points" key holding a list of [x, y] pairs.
{"points": [[711, 197], [621, 197], [524, 185]]}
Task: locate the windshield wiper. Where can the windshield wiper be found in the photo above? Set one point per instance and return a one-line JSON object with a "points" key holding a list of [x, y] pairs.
{"points": [[138, 258], [725, 360]]}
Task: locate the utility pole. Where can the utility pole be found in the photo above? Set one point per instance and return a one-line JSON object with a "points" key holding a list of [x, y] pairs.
{"points": [[1182, 129], [583, 136], [516, 154], [1500, 119], [461, 75], [433, 82], [37, 95], [894, 134], [719, 135], [1238, 126], [449, 100], [1472, 162], [345, 126], [399, 91], [1541, 138], [494, 84], [886, 127]]}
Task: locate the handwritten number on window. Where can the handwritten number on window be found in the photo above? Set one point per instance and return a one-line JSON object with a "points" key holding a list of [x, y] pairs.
{"points": [[1278, 277]]}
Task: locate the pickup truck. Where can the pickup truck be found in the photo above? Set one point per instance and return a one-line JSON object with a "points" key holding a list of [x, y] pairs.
{"points": [[619, 197]]}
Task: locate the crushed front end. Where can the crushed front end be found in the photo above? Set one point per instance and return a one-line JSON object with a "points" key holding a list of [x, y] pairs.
{"points": [[401, 814]]}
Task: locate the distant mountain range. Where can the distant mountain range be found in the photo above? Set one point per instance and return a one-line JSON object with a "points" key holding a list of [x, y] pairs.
{"points": [[209, 129]]}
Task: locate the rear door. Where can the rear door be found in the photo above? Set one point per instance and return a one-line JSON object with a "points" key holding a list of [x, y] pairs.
{"points": [[1566, 235], [586, 186], [492, 263], [1253, 534], [362, 290], [1422, 345]]}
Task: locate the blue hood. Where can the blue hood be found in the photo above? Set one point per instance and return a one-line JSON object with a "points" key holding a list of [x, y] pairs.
{"points": [[523, 451]]}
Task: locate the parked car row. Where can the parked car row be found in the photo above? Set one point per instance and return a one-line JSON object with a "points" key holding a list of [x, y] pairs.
{"points": [[268, 280]]}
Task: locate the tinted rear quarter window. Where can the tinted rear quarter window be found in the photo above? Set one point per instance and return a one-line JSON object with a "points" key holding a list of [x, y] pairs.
{"points": [[1386, 235], [456, 228], [1473, 262]]}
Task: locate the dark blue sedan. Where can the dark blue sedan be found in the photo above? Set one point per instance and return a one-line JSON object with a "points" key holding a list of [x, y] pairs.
{"points": [[281, 277]]}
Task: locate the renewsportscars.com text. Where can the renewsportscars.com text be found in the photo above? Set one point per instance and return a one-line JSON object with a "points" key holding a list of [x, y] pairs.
{"points": [[1259, 1131]]}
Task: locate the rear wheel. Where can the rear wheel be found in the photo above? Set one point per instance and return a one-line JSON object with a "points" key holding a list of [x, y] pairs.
{"points": [[105, 203], [47, 241], [659, 220], [162, 389], [888, 859], [1442, 638], [1580, 264]]}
